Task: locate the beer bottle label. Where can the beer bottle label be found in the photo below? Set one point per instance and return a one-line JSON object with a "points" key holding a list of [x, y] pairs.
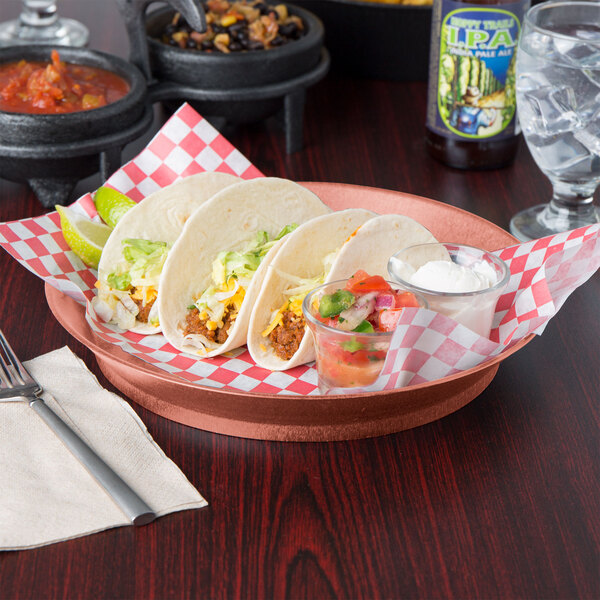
{"points": [[471, 92]]}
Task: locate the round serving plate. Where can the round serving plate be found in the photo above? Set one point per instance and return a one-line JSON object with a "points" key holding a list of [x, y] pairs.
{"points": [[306, 418]]}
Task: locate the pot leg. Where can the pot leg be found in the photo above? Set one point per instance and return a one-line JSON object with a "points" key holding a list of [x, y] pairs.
{"points": [[293, 107], [110, 161], [53, 191]]}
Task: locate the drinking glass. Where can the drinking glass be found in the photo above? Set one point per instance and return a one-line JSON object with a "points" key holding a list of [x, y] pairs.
{"points": [[39, 23], [558, 102]]}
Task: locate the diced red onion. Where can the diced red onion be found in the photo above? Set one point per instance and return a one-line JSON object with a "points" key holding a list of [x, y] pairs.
{"points": [[384, 301]]}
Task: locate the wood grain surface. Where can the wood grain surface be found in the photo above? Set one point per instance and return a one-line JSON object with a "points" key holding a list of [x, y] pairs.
{"points": [[498, 500]]}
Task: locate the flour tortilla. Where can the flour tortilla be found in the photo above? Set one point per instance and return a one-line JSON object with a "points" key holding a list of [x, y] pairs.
{"points": [[374, 243], [301, 256], [227, 222], [160, 217]]}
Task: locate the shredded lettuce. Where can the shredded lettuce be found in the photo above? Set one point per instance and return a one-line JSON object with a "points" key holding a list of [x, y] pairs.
{"points": [[144, 260], [287, 229], [119, 282], [232, 270]]}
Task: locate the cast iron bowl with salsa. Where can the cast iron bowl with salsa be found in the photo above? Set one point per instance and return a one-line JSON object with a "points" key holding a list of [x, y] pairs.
{"points": [[27, 120]]}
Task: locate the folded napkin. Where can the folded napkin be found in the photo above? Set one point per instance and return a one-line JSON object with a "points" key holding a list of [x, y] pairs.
{"points": [[46, 494]]}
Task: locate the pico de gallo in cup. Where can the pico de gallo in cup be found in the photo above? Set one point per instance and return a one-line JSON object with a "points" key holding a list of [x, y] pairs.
{"points": [[352, 322]]}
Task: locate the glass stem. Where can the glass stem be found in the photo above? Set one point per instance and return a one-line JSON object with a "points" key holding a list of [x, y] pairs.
{"points": [[571, 206], [572, 196], [38, 13]]}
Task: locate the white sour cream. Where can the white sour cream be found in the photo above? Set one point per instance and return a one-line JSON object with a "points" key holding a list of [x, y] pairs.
{"points": [[468, 294], [447, 276]]}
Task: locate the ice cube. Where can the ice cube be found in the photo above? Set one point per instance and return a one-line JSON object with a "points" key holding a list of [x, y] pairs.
{"points": [[589, 136], [593, 75], [564, 45], [548, 110], [588, 107], [560, 156], [537, 44], [584, 56], [590, 33], [532, 80]]}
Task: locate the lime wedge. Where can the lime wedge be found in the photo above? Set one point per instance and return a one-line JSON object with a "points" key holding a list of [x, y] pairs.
{"points": [[111, 205], [85, 237]]}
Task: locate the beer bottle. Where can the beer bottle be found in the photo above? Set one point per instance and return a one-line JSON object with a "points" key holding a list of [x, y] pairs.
{"points": [[471, 103]]}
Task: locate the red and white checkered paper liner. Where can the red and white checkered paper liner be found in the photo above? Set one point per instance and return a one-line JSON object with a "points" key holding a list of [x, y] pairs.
{"points": [[426, 346]]}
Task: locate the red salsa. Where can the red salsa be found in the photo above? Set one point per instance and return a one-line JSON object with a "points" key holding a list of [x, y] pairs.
{"points": [[366, 312], [57, 87], [368, 304]]}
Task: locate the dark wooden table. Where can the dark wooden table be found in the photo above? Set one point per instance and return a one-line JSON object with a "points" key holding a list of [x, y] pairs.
{"points": [[498, 500]]}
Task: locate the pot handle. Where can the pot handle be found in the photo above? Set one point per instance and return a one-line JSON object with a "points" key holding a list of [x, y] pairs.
{"points": [[133, 13]]}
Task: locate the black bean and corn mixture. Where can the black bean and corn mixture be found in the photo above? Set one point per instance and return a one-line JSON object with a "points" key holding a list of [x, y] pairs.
{"points": [[236, 27]]}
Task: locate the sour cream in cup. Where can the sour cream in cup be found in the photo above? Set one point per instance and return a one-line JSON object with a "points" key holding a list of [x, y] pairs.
{"points": [[461, 282]]}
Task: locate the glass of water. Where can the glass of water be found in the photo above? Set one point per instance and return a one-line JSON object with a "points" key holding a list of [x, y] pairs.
{"points": [[39, 23], [558, 102]]}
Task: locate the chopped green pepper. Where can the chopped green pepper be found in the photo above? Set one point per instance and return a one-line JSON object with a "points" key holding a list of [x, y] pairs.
{"points": [[333, 304], [364, 327], [352, 345]]}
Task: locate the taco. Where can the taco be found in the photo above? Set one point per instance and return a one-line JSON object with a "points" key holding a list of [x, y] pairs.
{"points": [[214, 272], [276, 332], [323, 252], [134, 254]]}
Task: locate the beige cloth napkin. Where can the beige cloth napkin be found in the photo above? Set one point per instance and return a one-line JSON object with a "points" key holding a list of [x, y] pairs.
{"points": [[46, 494]]}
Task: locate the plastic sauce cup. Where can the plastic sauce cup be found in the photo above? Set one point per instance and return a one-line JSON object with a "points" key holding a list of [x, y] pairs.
{"points": [[345, 359], [474, 310]]}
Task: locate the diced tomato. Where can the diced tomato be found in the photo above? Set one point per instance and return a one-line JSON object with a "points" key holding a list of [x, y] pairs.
{"points": [[388, 319], [358, 276], [406, 300], [330, 321], [373, 283]]}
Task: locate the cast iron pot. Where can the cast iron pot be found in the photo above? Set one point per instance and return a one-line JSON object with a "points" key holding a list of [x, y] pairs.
{"points": [[21, 129], [52, 152], [237, 69]]}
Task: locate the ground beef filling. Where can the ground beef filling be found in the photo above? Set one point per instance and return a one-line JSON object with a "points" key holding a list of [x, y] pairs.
{"points": [[142, 316], [286, 337], [194, 324]]}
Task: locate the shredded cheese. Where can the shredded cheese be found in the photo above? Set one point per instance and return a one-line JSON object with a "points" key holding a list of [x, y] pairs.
{"points": [[276, 321], [294, 304], [145, 293]]}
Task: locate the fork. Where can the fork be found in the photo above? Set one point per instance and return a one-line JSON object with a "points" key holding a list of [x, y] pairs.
{"points": [[15, 381]]}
